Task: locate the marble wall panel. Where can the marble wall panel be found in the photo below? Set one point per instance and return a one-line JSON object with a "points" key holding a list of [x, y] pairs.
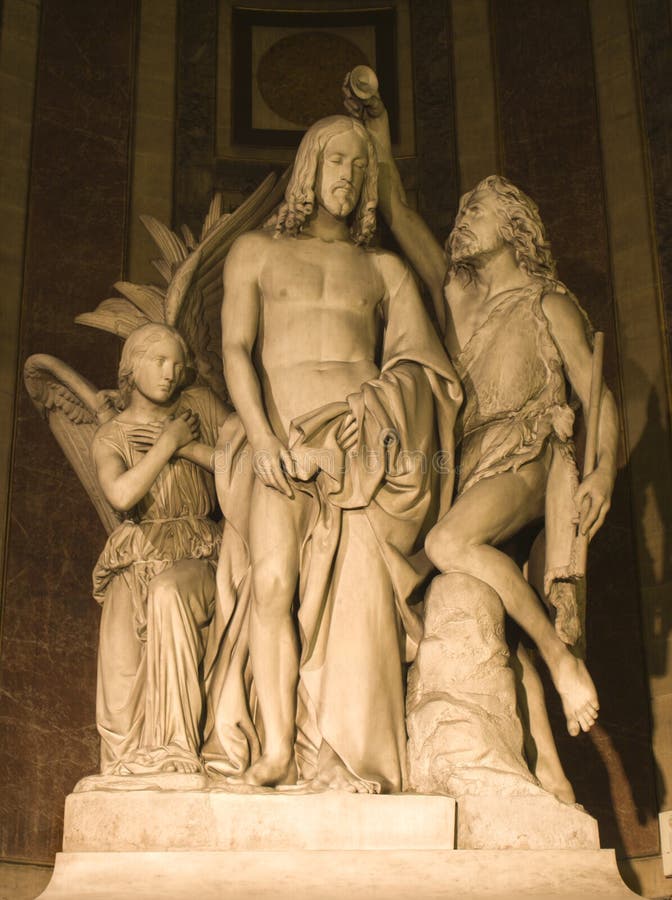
{"points": [[436, 143], [475, 107], [550, 145], [195, 110], [74, 253], [153, 133], [653, 21], [18, 54]]}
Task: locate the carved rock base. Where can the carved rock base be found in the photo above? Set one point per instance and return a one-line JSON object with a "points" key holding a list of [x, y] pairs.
{"points": [[465, 737]]}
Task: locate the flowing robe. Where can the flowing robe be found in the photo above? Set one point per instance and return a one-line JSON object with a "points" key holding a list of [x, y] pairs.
{"points": [[155, 580], [357, 572]]}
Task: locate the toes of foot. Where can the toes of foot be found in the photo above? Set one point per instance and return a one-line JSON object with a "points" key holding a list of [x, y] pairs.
{"points": [[573, 727]]}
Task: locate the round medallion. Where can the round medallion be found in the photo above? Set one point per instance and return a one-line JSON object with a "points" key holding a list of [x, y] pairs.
{"points": [[300, 76]]}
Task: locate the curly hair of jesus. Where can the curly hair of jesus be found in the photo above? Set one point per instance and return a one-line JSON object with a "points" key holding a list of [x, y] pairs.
{"points": [[300, 193], [520, 225]]}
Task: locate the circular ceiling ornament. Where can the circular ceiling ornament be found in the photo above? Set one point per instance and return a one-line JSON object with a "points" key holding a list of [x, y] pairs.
{"points": [[300, 76]]}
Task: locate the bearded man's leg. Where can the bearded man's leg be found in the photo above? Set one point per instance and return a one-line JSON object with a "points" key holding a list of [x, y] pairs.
{"points": [[465, 540]]}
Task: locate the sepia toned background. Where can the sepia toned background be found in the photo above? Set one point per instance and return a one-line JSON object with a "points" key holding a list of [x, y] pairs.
{"points": [[113, 110]]}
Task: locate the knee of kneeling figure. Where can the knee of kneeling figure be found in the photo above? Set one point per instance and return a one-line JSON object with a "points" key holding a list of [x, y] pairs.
{"points": [[162, 593], [442, 547]]}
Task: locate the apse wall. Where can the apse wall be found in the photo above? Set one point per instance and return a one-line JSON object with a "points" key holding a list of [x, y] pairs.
{"points": [[113, 110]]}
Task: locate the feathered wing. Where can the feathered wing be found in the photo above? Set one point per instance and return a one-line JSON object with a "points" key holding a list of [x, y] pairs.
{"points": [[192, 299], [74, 409], [194, 296]]}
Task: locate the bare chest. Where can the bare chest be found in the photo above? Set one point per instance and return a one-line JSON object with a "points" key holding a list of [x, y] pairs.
{"points": [[312, 277]]}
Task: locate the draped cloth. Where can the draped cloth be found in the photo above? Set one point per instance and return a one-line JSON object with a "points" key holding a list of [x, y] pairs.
{"points": [[357, 567], [155, 579]]}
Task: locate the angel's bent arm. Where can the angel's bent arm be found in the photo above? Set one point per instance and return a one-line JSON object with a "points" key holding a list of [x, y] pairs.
{"points": [[123, 487], [199, 452]]}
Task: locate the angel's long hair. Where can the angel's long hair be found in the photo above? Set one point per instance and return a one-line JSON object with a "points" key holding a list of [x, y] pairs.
{"points": [[520, 226], [300, 194], [136, 345]]}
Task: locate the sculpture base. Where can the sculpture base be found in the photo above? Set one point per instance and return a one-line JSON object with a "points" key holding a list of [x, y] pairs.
{"points": [[219, 819], [210, 843], [338, 874]]}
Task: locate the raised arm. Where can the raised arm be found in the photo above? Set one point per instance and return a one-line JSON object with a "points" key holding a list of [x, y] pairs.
{"points": [[593, 497], [411, 231], [240, 325]]}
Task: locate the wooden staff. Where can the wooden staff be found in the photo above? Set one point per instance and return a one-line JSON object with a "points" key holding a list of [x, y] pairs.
{"points": [[590, 456]]}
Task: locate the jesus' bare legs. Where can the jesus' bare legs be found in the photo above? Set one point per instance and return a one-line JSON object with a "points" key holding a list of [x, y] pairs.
{"points": [[465, 540], [278, 524]]}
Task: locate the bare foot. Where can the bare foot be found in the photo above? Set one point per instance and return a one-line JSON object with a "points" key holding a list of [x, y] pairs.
{"points": [[555, 783], [333, 775], [577, 692], [271, 770]]}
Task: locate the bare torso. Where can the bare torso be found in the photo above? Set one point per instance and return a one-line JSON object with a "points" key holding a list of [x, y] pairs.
{"points": [[320, 323]]}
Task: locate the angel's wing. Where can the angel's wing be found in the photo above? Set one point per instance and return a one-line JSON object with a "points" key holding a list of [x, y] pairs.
{"points": [[74, 409], [194, 296], [192, 269]]}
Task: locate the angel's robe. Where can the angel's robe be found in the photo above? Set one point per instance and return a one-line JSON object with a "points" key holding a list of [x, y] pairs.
{"points": [[357, 568], [156, 582]]}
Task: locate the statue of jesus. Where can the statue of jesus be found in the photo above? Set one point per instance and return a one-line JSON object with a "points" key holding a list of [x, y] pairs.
{"points": [[336, 374]]}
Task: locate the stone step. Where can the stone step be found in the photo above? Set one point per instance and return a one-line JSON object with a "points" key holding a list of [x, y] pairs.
{"points": [[338, 875], [212, 819]]}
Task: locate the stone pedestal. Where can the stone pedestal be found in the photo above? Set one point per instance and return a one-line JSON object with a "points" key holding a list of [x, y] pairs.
{"points": [[214, 819], [212, 845], [465, 737], [186, 837]]}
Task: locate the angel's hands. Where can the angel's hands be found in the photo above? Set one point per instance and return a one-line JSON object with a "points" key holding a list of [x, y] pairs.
{"points": [[143, 437], [181, 430], [593, 500], [272, 463], [347, 435]]}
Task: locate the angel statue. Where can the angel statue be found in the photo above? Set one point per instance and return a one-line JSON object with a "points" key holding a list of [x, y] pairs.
{"points": [[144, 454]]}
